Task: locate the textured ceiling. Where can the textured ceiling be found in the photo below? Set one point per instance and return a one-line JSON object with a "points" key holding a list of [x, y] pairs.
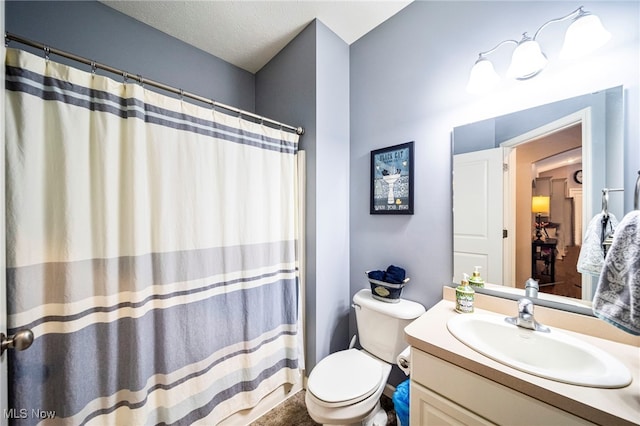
{"points": [[249, 33]]}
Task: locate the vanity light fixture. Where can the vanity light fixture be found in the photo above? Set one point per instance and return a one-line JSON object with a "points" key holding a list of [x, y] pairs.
{"points": [[584, 35]]}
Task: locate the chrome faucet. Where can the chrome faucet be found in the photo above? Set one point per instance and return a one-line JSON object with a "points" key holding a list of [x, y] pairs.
{"points": [[531, 288], [525, 317]]}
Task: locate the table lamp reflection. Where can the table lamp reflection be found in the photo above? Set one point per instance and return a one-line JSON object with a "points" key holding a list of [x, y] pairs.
{"points": [[540, 205]]}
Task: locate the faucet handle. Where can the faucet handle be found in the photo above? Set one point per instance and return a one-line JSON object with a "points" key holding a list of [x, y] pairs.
{"points": [[525, 306], [525, 317]]}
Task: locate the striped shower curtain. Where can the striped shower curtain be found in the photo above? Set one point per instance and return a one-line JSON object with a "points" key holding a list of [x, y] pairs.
{"points": [[151, 248]]}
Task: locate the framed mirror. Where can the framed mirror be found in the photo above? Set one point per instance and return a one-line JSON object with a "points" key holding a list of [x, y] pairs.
{"points": [[563, 154]]}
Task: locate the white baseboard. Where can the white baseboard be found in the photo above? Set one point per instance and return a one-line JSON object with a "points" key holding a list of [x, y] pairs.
{"points": [[389, 390]]}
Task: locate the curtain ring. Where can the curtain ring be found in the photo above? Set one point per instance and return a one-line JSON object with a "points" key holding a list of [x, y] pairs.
{"points": [[181, 94], [140, 80], [6, 40], [94, 67], [125, 77], [47, 51]]}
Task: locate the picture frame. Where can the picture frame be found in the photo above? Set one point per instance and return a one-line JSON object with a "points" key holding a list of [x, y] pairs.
{"points": [[392, 180]]}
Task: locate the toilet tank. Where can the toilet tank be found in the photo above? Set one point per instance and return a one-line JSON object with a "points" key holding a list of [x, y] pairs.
{"points": [[381, 324]]}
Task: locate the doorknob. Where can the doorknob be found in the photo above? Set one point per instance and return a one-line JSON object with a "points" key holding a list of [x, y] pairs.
{"points": [[19, 341]]}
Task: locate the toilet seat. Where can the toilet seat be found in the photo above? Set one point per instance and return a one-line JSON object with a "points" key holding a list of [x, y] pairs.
{"points": [[345, 378]]}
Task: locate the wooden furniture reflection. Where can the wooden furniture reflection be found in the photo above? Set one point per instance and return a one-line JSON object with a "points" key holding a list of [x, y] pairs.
{"points": [[543, 261]]}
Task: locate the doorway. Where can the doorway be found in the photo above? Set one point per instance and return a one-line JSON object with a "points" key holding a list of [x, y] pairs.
{"points": [[544, 162]]}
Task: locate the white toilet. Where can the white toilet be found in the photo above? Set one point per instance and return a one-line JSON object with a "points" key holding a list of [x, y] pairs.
{"points": [[345, 387]]}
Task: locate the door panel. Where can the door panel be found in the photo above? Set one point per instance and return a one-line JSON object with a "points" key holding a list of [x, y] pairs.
{"points": [[478, 213]]}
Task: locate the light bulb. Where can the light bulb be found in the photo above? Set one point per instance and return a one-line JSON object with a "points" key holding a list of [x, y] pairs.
{"points": [[527, 60], [483, 77], [583, 36]]}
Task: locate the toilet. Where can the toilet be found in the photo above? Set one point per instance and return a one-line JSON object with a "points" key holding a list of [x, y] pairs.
{"points": [[345, 387]]}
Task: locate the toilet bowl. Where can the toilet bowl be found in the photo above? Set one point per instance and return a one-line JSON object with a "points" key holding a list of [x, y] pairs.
{"points": [[346, 386]]}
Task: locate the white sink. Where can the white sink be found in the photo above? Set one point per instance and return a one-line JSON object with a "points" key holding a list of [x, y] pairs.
{"points": [[555, 355]]}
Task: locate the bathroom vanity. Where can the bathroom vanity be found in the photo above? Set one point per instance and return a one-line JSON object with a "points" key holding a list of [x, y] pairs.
{"points": [[453, 384]]}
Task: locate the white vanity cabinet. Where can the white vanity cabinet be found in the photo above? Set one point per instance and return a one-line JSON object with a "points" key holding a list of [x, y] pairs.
{"points": [[444, 394], [452, 384]]}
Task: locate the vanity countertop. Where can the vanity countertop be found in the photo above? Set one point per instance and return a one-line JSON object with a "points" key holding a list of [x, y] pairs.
{"points": [[429, 334]]}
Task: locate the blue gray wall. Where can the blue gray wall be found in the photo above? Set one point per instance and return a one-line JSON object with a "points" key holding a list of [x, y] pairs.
{"points": [[97, 32], [308, 83], [408, 79], [332, 298]]}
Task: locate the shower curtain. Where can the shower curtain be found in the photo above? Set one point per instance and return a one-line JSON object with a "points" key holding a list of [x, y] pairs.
{"points": [[151, 248]]}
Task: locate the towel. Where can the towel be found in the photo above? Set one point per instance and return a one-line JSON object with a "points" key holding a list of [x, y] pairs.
{"points": [[617, 298], [393, 275], [591, 257], [376, 275]]}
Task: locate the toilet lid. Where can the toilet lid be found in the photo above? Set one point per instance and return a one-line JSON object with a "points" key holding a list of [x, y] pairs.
{"points": [[347, 376]]}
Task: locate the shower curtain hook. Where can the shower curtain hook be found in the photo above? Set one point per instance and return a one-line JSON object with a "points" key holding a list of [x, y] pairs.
{"points": [[94, 67], [47, 51], [125, 77], [181, 95], [140, 80], [7, 40]]}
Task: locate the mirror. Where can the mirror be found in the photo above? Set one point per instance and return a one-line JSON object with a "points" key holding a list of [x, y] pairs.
{"points": [[567, 152]]}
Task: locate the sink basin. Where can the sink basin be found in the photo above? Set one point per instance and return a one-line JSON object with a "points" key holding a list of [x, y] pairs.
{"points": [[555, 355]]}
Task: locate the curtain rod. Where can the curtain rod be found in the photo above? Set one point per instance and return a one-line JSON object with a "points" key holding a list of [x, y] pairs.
{"points": [[95, 65]]}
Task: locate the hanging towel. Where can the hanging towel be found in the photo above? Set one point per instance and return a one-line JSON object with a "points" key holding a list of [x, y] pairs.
{"points": [[591, 256], [617, 298]]}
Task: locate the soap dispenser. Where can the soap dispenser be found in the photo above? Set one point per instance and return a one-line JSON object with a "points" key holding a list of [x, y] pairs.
{"points": [[464, 296], [476, 280]]}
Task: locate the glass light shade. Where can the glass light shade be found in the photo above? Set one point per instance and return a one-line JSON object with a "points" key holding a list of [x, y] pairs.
{"points": [[527, 60], [483, 77], [583, 36], [540, 204]]}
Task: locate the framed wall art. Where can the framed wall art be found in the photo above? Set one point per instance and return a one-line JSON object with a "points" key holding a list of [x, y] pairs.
{"points": [[392, 180]]}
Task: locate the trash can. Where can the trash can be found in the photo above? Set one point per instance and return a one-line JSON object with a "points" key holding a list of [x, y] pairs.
{"points": [[401, 403]]}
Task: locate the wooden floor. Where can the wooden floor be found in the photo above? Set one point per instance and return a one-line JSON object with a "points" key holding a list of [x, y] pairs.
{"points": [[568, 282]]}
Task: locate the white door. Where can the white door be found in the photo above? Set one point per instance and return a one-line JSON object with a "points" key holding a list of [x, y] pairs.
{"points": [[478, 213]]}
